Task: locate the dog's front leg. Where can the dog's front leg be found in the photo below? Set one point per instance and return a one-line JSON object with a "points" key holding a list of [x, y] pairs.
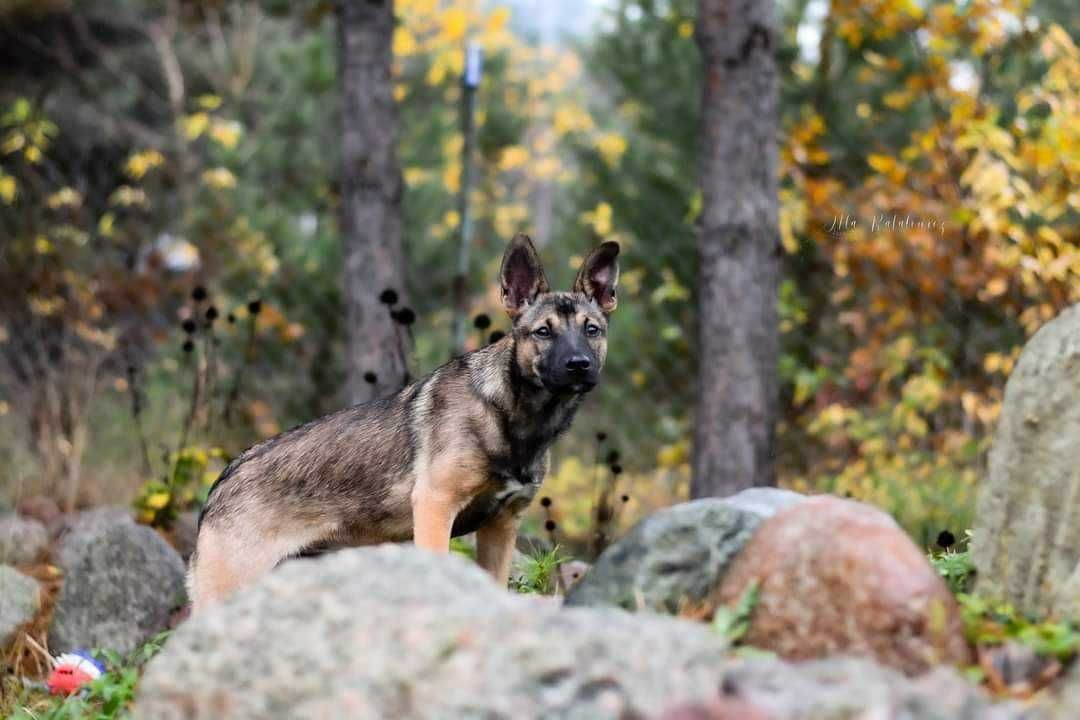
{"points": [[433, 517], [495, 546], [434, 507]]}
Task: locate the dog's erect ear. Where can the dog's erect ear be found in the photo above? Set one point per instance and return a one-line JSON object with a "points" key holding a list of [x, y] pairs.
{"points": [[599, 275], [522, 276]]}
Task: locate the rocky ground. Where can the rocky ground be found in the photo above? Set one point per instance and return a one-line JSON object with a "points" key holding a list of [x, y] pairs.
{"points": [[766, 605]]}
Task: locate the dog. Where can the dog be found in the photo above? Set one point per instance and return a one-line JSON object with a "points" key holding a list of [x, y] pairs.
{"points": [[462, 450]]}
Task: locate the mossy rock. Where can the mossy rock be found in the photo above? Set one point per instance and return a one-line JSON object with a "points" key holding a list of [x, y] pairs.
{"points": [[677, 556]]}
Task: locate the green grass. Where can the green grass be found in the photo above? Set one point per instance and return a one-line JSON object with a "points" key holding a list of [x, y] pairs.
{"points": [[107, 698], [988, 622], [537, 574], [462, 547], [956, 566]]}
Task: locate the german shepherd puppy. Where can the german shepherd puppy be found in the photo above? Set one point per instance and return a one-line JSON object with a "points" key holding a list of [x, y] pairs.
{"points": [[463, 450]]}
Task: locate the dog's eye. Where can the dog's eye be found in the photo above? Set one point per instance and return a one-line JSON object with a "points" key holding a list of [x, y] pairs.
{"points": [[542, 332], [592, 329]]}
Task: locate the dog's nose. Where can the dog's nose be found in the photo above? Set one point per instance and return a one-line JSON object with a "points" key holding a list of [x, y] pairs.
{"points": [[578, 363]]}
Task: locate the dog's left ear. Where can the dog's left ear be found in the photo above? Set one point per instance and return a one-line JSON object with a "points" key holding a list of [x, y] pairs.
{"points": [[599, 275]]}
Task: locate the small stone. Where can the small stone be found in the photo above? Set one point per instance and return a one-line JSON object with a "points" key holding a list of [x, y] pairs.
{"points": [[859, 689], [184, 533], [1067, 704], [122, 582], [571, 571], [20, 599], [22, 540], [837, 576], [39, 507], [1016, 665], [74, 530]]}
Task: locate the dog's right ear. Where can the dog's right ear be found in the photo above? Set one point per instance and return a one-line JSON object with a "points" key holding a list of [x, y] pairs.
{"points": [[522, 276]]}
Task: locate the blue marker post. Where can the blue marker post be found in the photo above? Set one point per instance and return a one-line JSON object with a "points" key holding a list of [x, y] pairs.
{"points": [[470, 81]]}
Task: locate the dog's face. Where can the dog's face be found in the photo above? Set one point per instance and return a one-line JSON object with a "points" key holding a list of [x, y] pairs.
{"points": [[560, 337]]}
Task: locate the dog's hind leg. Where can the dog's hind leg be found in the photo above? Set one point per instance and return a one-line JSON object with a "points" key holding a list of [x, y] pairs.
{"points": [[228, 558]]}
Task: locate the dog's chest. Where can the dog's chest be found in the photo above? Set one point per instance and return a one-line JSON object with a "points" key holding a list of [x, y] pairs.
{"points": [[516, 488], [506, 490]]}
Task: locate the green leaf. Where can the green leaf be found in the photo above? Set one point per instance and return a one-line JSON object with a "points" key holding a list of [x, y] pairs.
{"points": [[733, 623]]}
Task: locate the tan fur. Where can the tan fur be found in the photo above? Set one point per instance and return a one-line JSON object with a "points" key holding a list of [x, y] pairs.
{"points": [[495, 546], [227, 562], [440, 493]]}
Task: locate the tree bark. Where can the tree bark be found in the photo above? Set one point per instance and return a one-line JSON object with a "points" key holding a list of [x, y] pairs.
{"points": [[738, 249], [371, 189]]}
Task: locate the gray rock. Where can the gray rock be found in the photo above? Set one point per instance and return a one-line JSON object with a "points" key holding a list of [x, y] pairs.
{"points": [[395, 632], [74, 530], [679, 554], [570, 572], [1066, 706], [22, 540], [764, 501], [859, 689], [1026, 543], [185, 533], [19, 601], [1016, 664], [121, 583]]}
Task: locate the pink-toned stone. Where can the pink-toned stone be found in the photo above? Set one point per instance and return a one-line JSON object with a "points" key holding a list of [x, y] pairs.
{"points": [[841, 577], [722, 709], [39, 507]]}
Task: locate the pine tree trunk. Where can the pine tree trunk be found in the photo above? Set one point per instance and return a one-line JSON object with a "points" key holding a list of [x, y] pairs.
{"points": [[738, 249], [371, 189]]}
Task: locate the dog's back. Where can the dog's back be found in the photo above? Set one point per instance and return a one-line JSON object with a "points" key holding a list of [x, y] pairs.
{"points": [[310, 470], [344, 477]]}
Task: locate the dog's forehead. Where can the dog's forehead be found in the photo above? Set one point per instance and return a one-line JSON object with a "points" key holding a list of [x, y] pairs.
{"points": [[568, 304]]}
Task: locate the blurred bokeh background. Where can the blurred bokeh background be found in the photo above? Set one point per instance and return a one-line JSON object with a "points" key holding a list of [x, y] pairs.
{"points": [[153, 152]]}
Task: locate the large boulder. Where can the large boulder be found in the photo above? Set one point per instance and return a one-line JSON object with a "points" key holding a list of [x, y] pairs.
{"points": [[122, 582], [845, 688], [22, 540], [396, 632], [1026, 543], [20, 599], [837, 576], [677, 556]]}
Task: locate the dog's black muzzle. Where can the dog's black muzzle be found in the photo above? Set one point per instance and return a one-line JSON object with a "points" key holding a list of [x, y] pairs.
{"points": [[572, 368]]}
